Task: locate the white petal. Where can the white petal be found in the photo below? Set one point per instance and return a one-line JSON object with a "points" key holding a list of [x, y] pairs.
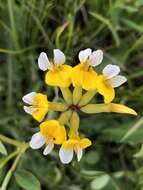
{"points": [[84, 54], [111, 71], [43, 62], [29, 110], [66, 155], [29, 98], [59, 57], [79, 153], [37, 141], [48, 148], [96, 58], [117, 81]]}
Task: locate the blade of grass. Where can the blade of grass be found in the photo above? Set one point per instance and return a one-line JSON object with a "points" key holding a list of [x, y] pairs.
{"points": [[135, 127], [109, 25], [138, 43], [20, 51], [12, 23]]}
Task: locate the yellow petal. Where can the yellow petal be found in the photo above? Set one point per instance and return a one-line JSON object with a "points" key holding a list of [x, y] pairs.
{"points": [[89, 80], [52, 129], [84, 76], [84, 143], [74, 143], [77, 75], [70, 143], [39, 115], [59, 76], [119, 108], [105, 89], [60, 135], [48, 128], [41, 105]]}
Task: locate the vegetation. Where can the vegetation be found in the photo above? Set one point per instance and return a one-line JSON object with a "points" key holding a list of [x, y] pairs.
{"points": [[114, 162]]}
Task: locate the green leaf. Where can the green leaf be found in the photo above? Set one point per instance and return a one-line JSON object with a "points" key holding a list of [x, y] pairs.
{"points": [[92, 157], [3, 149], [92, 173], [139, 3], [100, 182], [27, 180], [118, 174]]}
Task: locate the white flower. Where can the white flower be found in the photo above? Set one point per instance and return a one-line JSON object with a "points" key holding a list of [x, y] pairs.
{"points": [[44, 63], [38, 140], [93, 58], [111, 72]]}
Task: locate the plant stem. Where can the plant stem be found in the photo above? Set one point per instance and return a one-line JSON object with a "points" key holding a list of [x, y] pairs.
{"points": [[8, 176], [9, 140]]}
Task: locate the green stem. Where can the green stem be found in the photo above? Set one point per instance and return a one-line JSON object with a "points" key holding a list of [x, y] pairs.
{"points": [[6, 159], [8, 176], [9, 140]]}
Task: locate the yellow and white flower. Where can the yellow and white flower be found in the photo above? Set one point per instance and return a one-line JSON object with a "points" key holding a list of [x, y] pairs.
{"points": [[109, 80], [58, 74], [83, 74], [51, 132], [72, 145], [38, 105]]}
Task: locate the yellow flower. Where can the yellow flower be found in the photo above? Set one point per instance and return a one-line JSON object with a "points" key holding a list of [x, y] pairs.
{"points": [[38, 105], [83, 74], [108, 81], [51, 132], [58, 73], [72, 145]]}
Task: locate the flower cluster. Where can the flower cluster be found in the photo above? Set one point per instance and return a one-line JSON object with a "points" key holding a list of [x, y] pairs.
{"points": [[84, 83]]}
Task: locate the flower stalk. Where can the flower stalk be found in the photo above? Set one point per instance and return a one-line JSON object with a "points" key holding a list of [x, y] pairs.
{"points": [[87, 97], [77, 95], [9, 140]]}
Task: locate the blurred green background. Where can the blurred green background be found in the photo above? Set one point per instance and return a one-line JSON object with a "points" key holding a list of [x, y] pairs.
{"points": [[27, 27]]}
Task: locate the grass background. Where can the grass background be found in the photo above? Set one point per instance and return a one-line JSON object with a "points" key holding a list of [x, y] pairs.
{"points": [[115, 26]]}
